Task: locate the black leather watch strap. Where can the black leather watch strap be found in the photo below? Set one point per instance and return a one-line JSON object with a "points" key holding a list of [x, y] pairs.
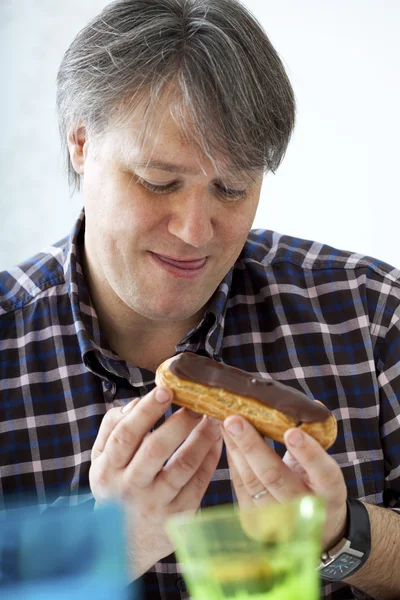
{"points": [[358, 527], [353, 550]]}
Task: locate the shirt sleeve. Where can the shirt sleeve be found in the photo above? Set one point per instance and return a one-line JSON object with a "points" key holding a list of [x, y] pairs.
{"points": [[388, 370]]}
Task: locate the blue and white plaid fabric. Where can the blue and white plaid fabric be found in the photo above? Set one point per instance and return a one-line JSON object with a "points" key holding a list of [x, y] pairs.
{"points": [[324, 321]]}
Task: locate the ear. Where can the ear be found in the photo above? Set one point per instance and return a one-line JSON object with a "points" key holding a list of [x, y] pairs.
{"points": [[78, 148]]}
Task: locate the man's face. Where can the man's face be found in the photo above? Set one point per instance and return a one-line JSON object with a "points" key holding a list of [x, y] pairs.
{"points": [[160, 238]]}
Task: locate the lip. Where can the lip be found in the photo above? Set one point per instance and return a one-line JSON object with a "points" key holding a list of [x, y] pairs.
{"points": [[183, 268]]}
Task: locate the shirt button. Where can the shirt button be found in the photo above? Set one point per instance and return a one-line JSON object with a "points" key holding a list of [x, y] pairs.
{"points": [[180, 584], [109, 391]]}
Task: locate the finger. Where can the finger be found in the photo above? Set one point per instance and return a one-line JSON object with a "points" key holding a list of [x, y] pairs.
{"points": [[190, 496], [295, 466], [186, 461], [110, 420], [128, 434], [267, 466], [243, 497], [245, 481], [325, 477], [159, 446]]}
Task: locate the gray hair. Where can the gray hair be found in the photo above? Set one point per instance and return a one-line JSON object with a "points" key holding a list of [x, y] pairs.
{"points": [[225, 75]]}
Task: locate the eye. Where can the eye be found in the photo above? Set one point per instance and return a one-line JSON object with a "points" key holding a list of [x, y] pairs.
{"points": [[158, 189], [229, 194]]}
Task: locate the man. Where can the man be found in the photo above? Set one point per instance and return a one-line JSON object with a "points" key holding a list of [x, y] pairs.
{"points": [[171, 112]]}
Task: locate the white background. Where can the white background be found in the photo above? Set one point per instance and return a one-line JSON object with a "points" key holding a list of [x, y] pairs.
{"points": [[339, 182]]}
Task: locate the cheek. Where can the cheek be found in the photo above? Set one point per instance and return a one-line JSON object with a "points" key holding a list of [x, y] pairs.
{"points": [[235, 228], [116, 207]]}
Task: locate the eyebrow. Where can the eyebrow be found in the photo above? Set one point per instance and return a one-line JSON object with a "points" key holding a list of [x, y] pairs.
{"points": [[165, 166], [174, 168]]}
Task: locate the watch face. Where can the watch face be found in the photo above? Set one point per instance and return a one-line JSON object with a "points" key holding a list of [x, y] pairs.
{"points": [[341, 567]]}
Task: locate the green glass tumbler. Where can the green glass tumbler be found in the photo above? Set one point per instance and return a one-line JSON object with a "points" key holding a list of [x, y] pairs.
{"points": [[259, 553]]}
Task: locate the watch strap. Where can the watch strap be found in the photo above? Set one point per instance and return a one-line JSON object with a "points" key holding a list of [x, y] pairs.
{"points": [[352, 552], [358, 527]]}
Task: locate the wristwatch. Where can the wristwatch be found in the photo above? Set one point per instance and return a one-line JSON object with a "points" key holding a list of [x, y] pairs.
{"points": [[348, 555]]}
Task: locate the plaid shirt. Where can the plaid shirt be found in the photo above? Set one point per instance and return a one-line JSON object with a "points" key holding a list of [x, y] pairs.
{"points": [[323, 321]]}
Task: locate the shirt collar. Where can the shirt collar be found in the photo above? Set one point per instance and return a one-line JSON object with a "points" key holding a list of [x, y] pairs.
{"points": [[208, 334], [92, 342]]}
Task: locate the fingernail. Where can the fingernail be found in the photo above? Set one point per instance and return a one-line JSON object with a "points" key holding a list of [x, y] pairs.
{"points": [[162, 395], [235, 428], [295, 437], [214, 422]]}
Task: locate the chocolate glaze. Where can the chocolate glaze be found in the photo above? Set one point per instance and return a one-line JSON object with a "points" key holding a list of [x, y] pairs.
{"points": [[200, 369]]}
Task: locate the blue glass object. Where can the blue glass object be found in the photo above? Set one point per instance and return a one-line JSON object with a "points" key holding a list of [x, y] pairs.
{"points": [[62, 553]]}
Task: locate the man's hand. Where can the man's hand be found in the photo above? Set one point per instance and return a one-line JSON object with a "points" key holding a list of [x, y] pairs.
{"points": [[154, 474], [305, 469]]}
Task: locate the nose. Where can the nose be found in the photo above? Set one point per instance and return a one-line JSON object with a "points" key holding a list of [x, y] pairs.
{"points": [[191, 220]]}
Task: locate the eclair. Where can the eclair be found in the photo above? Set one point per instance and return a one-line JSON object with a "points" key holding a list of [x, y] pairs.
{"points": [[212, 388]]}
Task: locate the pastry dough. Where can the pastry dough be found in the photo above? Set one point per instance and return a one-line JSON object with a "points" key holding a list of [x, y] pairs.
{"points": [[220, 403]]}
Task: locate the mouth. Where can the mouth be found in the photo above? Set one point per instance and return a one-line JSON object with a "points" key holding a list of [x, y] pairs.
{"points": [[185, 268]]}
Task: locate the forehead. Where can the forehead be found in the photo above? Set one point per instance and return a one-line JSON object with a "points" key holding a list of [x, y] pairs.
{"points": [[160, 142]]}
